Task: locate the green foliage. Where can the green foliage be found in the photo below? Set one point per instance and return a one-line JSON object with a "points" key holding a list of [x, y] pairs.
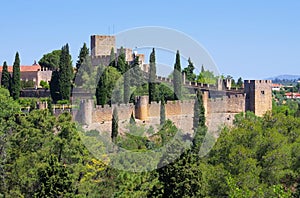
{"points": [[5, 78], [44, 84], [240, 82], [65, 73], [50, 60], [189, 71], [206, 77], [115, 126], [16, 83], [83, 65], [83, 54], [162, 112], [106, 84], [27, 84], [112, 61], [177, 81], [136, 74], [127, 77], [152, 77], [54, 86], [199, 111], [121, 64]]}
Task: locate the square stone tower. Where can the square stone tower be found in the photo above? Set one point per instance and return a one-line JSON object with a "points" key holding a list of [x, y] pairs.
{"points": [[101, 45], [258, 96]]}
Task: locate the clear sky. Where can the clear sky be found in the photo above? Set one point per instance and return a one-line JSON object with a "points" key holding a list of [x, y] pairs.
{"points": [[252, 39]]}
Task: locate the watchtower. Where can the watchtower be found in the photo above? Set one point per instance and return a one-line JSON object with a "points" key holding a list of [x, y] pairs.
{"points": [[101, 45], [258, 96]]}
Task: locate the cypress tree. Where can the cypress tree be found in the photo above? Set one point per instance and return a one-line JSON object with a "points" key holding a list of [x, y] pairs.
{"points": [[152, 77], [5, 78], [121, 65], [84, 52], [177, 81], [101, 90], [54, 86], [65, 73], [200, 128], [162, 112], [115, 127], [136, 74], [16, 82], [189, 71], [112, 61], [126, 94]]}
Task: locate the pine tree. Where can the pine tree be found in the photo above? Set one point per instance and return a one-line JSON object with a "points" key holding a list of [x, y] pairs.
{"points": [[121, 65], [5, 79], [112, 60], [177, 81], [152, 77], [115, 127], [16, 82], [65, 73], [54, 86]]}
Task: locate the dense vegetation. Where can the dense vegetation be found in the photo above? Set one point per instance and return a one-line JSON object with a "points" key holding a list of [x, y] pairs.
{"points": [[44, 156]]}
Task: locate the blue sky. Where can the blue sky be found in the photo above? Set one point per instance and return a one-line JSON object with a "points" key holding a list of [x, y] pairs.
{"points": [[252, 39]]}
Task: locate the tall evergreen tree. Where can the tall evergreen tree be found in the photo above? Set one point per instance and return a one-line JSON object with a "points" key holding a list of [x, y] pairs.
{"points": [[16, 82], [112, 60], [54, 86], [200, 128], [121, 65], [115, 126], [136, 75], [5, 79], [189, 71], [127, 78], [177, 81], [84, 52], [152, 77], [65, 73], [162, 112]]}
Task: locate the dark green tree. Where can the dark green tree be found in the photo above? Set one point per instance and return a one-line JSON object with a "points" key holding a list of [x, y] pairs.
{"points": [[106, 84], [136, 75], [152, 77], [16, 82], [240, 83], [65, 73], [50, 60], [5, 78], [121, 65], [162, 111], [84, 52], [54, 86], [112, 60], [189, 71], [127, 77], [115, 126], [54, 180], [177, 81], [199, 111]]}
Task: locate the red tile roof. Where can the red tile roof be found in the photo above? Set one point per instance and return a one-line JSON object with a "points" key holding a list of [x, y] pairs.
{"points": [[24, 68]]}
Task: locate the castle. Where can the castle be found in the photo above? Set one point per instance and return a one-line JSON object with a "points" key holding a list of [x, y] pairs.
{"points": [[221, 102]]}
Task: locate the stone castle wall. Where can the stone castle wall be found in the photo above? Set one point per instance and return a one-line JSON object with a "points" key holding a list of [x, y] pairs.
{"points": [[219, 111]]}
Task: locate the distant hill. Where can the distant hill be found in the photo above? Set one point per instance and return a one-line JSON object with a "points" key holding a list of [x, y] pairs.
{"points": [[287, 77]]}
